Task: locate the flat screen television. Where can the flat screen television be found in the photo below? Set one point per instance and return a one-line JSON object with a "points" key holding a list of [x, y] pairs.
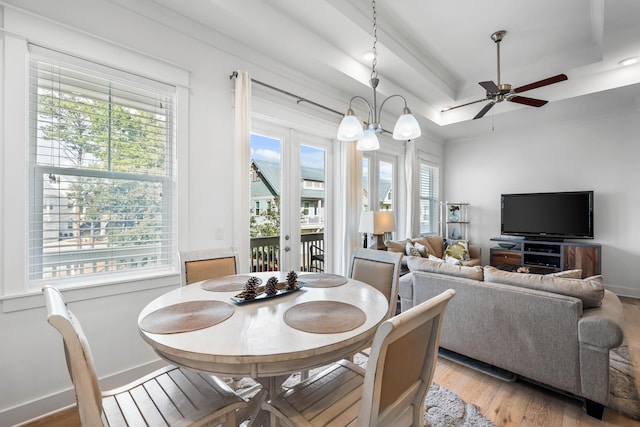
{"points": [[559, 215]]}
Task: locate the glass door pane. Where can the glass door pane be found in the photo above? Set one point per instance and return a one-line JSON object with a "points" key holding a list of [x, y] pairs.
{"points": [[265, 181], [312, 213]]}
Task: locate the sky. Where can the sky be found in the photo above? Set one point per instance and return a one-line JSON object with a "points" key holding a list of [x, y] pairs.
{"points": [[266, 148]]}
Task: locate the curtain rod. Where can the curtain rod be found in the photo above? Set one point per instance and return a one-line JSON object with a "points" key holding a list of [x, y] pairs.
{"points": [[299, 99]]}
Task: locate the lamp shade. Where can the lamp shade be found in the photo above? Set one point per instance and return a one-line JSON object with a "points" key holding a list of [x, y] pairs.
{"points": [[350, 128], [369, 141], [377, 222], [406, 127]]}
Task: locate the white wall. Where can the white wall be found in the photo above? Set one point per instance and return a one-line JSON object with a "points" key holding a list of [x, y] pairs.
{"points": [[599, 154]]}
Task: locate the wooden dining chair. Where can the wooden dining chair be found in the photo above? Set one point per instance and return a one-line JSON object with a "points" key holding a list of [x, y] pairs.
{"points": [[168, 396], [196, 266], [380, 269], [392, 389]]}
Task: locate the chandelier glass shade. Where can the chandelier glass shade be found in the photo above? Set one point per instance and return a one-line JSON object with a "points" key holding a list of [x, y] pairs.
{"points": [[351, 128]]}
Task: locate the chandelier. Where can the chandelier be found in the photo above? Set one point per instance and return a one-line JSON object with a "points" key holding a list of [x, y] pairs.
{"points": [[351, 129]]}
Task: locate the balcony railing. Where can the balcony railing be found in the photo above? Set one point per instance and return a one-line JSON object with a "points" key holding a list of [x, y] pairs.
{"points": [[265, 256], [265, 252]]}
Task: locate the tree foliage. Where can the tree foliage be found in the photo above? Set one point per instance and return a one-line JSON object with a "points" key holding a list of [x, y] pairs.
{"points": [[92, 134]]}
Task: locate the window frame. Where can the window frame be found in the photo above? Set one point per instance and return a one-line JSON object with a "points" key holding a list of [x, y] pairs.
{"points": [[37, 195], [434, 182]]}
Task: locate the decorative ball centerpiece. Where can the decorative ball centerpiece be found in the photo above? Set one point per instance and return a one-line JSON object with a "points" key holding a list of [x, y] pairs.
{"points": [[271, 288], [250, 288], [292, 281]]}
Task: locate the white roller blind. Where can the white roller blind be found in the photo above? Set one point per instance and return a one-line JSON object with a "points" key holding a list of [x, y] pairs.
{"points": [[102, 159], [429, 197]]}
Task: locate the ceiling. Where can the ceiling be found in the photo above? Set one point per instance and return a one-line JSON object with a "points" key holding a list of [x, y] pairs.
{"points": [[435, 52]]}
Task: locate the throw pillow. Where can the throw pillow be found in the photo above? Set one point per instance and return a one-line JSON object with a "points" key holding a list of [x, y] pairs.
{"points": [[423, 264], [458, 249], [395, 246], [567, 274], [435, 258], [424, 252], [424, 241], [590, 291], [410, 250], [452, 260]]}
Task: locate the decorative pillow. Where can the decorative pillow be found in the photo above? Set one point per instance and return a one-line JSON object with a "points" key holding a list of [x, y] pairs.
{"points": [[458, 249], [567, 274], [422, 249], [590, 291], [422, 264], [424, 241], [396, 246], [410, 250], [452, 260], [435, 258]]}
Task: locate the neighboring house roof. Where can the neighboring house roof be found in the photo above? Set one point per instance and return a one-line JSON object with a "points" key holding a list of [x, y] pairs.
{"points": [[259, 189], [384, 188], [270, 172]]}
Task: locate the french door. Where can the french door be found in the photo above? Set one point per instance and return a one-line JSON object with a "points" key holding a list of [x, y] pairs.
{"points": [[290, 179]]}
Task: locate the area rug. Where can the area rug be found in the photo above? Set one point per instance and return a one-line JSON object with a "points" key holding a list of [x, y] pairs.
{"points": [[623, 389], [443, 408]]}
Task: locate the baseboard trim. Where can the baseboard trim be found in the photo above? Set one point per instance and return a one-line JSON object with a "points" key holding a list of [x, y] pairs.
{"points": [[623, 291], [56, 401]]}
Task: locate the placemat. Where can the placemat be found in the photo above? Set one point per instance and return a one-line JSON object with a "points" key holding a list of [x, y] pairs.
{"points": [[186, 316], [233, 283], [324, 317], [323, 280]]}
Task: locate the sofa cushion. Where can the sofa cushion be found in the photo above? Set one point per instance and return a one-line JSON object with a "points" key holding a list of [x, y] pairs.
{"points": [[590, 291], [422, 264]]}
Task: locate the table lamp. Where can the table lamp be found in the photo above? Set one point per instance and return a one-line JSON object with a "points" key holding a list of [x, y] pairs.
{"points": [[377, 223]]}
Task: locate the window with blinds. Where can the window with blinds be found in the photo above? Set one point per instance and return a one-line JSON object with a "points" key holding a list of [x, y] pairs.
{"points": [[429, 198], [102, 159]]}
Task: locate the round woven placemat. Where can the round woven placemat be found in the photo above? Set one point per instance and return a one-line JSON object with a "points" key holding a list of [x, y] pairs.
{"points": [[233, 283], [323, 280], [186, 316], [324, 317]]}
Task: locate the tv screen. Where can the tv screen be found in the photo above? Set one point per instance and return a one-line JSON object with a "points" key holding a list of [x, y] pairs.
{"points": [[548, 215]]}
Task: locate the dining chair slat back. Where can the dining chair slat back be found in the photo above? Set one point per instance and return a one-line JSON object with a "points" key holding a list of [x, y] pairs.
{"points": [[389, 392], [154, 399], [196, 266], [380, 269]]}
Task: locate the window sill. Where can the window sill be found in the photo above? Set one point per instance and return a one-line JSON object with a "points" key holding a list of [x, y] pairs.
{"points": [[34, 299]]}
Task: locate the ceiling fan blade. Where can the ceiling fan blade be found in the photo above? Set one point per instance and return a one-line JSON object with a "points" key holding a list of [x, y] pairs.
{"points": [[490, 87], [484, 110], [544, 82], [464, 105], [533, 102]]}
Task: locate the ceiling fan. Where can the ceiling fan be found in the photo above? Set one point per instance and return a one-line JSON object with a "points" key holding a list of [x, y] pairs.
{"points": [[501, 91]]}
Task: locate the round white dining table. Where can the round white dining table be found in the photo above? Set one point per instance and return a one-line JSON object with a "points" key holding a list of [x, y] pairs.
{"points": [[255, 341]]}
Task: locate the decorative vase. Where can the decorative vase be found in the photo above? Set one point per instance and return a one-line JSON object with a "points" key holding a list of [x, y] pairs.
{"points": [[453, 215]]}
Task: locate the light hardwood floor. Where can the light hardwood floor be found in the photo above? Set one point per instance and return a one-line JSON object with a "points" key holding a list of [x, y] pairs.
{"points": [[505, 404]]}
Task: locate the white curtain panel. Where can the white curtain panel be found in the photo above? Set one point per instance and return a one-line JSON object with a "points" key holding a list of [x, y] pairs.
{"points": [[241, 152], [350, 193], [411, 226]]}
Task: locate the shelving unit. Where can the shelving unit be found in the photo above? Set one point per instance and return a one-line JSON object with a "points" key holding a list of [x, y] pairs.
{"points": [[542, 256], [454, 223]]}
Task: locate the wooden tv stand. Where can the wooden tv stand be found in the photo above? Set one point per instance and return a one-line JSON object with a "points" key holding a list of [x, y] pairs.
{"points": [[543, 256]]}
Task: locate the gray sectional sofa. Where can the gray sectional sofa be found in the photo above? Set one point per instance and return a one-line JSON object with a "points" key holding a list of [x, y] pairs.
{"points": [[553, 330]]}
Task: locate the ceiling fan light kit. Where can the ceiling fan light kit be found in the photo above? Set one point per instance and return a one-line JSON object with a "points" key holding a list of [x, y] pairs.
{"points": [[351, 129], [498, 92]]}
